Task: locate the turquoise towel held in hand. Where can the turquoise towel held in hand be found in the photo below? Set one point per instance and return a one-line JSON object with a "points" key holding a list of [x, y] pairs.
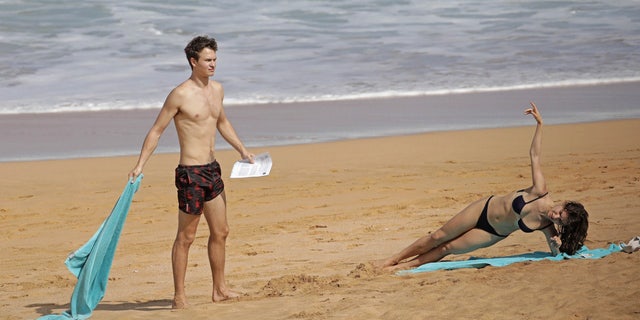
{"points": [[92, 262]]}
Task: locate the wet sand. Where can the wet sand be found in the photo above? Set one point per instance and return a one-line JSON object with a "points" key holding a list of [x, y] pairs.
{"points": [[121, 132]]}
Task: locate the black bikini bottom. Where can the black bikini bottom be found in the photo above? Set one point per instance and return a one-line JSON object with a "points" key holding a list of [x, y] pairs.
{"points": [[483, 221]]}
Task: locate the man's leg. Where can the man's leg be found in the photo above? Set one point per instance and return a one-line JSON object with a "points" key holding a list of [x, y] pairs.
{"points": [[215, 212], [187, 226]]}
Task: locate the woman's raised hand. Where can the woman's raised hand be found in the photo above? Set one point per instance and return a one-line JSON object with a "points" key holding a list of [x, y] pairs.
{"points": [[534, 111]]}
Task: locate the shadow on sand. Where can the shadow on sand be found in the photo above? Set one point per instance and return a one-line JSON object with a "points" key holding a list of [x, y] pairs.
{"points": [[153, 305]]}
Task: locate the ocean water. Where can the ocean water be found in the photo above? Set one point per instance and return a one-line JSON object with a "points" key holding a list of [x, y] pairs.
{"points": [[96, 55], [102, 55]]}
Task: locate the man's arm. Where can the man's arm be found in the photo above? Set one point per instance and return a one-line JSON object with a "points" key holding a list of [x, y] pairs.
{"points": [[168, 111], [229, 133]]}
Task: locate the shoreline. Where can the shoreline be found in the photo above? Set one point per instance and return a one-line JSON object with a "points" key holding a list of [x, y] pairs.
{"points": [[119, 133], [266, 147]]}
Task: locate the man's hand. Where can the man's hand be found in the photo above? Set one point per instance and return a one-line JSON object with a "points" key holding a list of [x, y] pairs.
{"points": [[249, 156], [133, 174]]}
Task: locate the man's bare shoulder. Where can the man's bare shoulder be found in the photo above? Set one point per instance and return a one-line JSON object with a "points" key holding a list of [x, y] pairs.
{"points": [[215, 87], [184, 88], [187, 87], [180, 93], [215, 84]]}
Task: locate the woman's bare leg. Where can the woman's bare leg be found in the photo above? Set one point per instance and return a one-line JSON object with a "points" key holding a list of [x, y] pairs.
{"points": [[470, 241], [462, 222]]}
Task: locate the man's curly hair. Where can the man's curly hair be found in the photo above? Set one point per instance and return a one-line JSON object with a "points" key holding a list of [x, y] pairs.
{"points": [[197, 44]]}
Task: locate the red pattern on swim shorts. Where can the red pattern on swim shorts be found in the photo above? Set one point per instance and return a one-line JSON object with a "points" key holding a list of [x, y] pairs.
{"points": [[197, 185]]}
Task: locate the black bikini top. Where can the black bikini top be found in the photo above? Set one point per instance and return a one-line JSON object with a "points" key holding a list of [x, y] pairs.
{"points": [[526, 229], [517, 205]]}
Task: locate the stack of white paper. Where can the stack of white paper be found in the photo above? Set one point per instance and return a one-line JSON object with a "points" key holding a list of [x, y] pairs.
{"points": [[259, 168]]}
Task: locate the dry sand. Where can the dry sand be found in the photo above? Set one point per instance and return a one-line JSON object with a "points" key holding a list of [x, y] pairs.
{"points": [[301, 237]]}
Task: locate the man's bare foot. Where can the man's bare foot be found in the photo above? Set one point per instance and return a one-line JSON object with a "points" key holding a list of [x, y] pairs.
{"points": [[219, 295], [179, 303]]}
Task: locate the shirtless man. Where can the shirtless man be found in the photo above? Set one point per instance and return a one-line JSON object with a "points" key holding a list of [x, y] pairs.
{"points": [[196, 109]]}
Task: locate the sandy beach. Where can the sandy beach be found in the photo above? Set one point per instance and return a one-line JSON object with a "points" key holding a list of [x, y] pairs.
{"points": [[301, 238]]}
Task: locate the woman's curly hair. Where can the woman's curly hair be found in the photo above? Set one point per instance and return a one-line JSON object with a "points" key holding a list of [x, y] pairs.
{"points": [[574, 232]]}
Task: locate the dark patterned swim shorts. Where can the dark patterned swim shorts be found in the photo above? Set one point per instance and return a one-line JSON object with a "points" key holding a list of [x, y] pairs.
{"points": [[197, 185]]}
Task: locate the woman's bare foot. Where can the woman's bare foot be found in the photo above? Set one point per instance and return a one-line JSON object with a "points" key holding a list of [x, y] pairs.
{"points": [[179, 303], [383, 264], [394, 268]]}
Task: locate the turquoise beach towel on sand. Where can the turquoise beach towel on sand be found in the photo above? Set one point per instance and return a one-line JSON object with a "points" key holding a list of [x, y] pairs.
{"points": [[92, 262], [583, 253]]}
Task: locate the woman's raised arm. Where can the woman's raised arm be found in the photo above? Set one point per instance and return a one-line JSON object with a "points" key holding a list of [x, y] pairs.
{"points": [[539, 184]]}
